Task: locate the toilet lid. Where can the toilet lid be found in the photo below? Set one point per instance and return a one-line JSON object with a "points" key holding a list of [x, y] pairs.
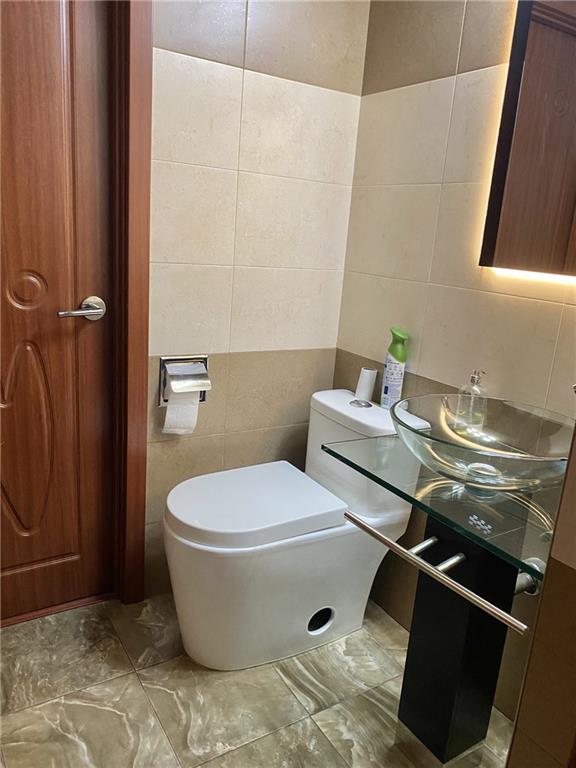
{"points": [[251, 506]]}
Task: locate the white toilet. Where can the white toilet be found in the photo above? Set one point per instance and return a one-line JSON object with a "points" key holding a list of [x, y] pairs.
{"points": [[262, 562]]}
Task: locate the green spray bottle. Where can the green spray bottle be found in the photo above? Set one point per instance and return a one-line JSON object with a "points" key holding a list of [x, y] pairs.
{"points": [[394, 366]]}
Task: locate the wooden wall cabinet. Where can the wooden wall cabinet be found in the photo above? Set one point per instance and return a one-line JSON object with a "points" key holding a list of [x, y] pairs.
{"points": [[531, 220]]}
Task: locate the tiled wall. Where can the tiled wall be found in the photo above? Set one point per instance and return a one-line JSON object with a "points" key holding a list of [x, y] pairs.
{"points": [[427, 133], [255, 120], [432, 89]]}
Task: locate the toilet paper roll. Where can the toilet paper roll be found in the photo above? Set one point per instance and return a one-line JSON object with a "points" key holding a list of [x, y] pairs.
{"points": [[181, 413], [365, 386]]}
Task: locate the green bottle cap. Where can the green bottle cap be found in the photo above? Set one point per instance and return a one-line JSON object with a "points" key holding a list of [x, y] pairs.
{"points": [[397, 346]]}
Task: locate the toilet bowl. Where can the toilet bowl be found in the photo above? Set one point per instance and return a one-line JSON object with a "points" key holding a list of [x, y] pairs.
{"points": [[263, 563]]}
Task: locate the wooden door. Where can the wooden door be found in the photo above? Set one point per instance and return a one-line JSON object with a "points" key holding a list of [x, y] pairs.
{"points": [[57, 519]]}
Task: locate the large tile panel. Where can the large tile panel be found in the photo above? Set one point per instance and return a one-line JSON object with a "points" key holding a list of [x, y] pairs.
{"points": [[549, 702], [311, 42], [189, 309], [284, 308], [411, 42], [271, 389], [196, 110], [208, 29], [561, 396], [192, 214], [110, 725], [297, 130], [302, 745], [458, 243], [207, 713], [173, 461], [487, 33], [474, 124], [53, 655], [382, 238], [324, 676], [149, 630], [242, 449], [402, 134], [370, 305], [366, 732], [291, 223], [466, 329]]}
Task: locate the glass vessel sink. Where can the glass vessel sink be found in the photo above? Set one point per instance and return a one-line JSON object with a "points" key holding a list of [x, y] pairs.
{"points": [[485, 442]]}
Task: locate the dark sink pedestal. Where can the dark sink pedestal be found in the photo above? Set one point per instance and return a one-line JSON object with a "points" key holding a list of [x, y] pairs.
{"points": [[455, 649]]}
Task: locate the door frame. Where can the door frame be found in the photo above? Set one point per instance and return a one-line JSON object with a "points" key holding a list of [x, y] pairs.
{"points": [[132, 130]]}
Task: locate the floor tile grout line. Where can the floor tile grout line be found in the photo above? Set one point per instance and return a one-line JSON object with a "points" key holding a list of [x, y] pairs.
{"points": [[128, 656], [253, 741], [159, 721], [71, 692]]}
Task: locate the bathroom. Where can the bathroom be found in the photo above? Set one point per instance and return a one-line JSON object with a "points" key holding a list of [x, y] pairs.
{"points": [[264, 188]]}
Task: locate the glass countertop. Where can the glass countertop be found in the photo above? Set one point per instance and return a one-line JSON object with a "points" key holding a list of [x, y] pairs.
{"points": [[515, 526]]}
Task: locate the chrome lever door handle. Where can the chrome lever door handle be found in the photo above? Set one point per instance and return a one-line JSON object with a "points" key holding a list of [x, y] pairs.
{"points": [[92, 308]]}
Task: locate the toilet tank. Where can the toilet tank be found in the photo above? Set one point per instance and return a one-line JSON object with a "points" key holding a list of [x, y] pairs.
{"points": [[334, 419]]}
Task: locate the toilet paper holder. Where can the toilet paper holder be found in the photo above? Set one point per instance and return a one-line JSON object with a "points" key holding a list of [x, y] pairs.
{"points": [[183, 374]]}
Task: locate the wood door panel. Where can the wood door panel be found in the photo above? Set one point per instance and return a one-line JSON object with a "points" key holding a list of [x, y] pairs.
{"points": [[57, 534], [37, 279]]}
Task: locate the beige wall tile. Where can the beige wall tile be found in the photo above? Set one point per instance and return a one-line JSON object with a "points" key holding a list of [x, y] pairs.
{"points": [[511, 338], [561, 396], [487, 33], [189, 309], [156, 576], [204, 28], [260, 446], [196, 110], [193, 214], [458, 243], [392, 230], [173, 461], [411, 42], [402, 134], [474, 124], [291, 223], [321, 43], [269, 389], [297, 130], [370, 305], [211, 413], [347, 369], [284, 308]]}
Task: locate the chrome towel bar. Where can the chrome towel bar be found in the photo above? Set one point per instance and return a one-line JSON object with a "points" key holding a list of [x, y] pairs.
{"points": [[439, 575]]}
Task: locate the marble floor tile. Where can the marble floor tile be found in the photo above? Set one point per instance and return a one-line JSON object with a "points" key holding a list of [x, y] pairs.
{"points": [[366, 732], [383, 628], [302, 745], [48, 657], [149, 630], [326, 675], [499, 736], [207, 713], [109, 725]]}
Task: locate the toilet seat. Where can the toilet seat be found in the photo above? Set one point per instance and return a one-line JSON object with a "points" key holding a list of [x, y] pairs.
{"points": [[251, 506]]}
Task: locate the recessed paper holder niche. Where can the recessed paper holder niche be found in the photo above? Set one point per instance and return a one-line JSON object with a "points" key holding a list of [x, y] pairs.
{"points": [[183, 374]]}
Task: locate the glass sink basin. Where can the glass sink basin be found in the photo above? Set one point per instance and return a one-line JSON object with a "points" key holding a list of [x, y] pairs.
{"points": [[485, 442]]}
